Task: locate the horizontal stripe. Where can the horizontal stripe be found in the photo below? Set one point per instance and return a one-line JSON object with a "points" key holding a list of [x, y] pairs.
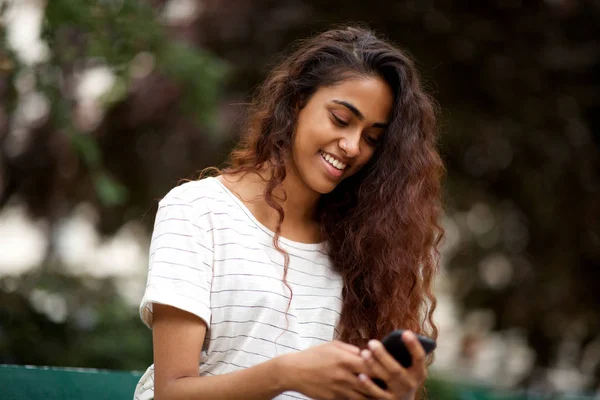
{"points": [[170, 219], [319, 308], [276, 292], [172, 233], [286, 394], [220, 337], [232, 219], [246, 306], [180, 265], [241, 351], [270, 245], [215, 199], [204, 197], [204, 247], [289, 268], [317, 295], [227, 363], [228, 228], [172, 248], [278, 279], [168, 205], [288, 314], [248, 291], [205, 288], [256, 321], [251, 321]]}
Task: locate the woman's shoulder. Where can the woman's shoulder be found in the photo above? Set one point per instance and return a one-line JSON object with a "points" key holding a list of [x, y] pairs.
{"points": [[200, 194]]}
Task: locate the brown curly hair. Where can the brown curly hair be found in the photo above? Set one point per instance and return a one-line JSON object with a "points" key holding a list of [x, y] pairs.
{"points": [[382, 223]]}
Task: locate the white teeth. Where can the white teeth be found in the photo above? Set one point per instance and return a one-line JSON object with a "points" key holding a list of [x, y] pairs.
{"points": [[331, 160]]}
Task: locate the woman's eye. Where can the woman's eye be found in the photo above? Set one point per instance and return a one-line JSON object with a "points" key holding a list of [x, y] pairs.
{"points": [[338, 120], [370, 140]]}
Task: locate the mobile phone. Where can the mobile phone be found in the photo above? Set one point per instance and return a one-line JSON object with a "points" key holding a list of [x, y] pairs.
{"points": [[394, 345]]}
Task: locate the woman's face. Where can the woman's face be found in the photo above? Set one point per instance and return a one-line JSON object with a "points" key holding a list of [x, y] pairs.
{"points": [[338, 129]]}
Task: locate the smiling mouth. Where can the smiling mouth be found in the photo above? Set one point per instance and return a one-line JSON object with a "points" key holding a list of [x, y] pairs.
{"points": [[335, 163]]}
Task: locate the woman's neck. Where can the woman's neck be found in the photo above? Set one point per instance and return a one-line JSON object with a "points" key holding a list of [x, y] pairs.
{"points": [[299, 203]]}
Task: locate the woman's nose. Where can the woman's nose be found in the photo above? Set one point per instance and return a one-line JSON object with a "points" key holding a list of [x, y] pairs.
{"points": [[351, 145]]}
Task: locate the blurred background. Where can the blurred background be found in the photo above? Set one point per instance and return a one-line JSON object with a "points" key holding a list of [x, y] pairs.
{"points": [[107, 104]]}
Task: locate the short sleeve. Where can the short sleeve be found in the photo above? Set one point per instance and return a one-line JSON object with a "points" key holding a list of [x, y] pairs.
{"points": [[180, 262]]}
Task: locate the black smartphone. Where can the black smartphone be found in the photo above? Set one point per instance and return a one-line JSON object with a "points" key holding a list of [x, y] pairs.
{"points": [[394, 345]]}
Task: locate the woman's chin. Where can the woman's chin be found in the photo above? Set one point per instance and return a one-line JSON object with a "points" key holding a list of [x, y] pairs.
{"points": [[324, 186]]}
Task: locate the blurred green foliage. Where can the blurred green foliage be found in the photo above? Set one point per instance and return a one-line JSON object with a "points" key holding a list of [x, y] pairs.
{"points": [[101, 330], [112, 33]]}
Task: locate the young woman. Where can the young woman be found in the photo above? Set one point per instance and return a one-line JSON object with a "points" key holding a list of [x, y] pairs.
{"points": [[276, 278]]}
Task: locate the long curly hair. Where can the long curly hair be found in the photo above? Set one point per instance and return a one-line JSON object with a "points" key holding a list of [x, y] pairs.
{"points": [[382, 223]]}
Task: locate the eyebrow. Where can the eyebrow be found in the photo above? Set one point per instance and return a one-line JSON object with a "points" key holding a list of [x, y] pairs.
{"points": [[358, 114]]}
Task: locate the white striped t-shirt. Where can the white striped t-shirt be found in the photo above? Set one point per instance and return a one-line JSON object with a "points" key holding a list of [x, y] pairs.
{"points": [[209, 256]]}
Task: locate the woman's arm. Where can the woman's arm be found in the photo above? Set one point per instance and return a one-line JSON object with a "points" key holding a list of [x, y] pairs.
{"points": [[177, 338], [327, 371]]}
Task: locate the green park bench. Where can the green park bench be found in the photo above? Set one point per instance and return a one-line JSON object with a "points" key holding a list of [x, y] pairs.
{"points": [[19, 382]]}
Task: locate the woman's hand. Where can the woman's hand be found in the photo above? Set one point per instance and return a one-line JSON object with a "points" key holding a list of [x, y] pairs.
{"points": [[326, 372], [402, 383]]}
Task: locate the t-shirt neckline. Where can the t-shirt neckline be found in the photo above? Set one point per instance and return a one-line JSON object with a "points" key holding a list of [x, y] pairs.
{"points": [[246, 210]]}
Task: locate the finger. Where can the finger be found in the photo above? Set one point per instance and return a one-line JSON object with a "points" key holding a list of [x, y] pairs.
{"points": [[374, 367], [374, 390], [415, 348], [355, 363], [346, 346], [387, 361], [418, 369], [352, 388]]}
